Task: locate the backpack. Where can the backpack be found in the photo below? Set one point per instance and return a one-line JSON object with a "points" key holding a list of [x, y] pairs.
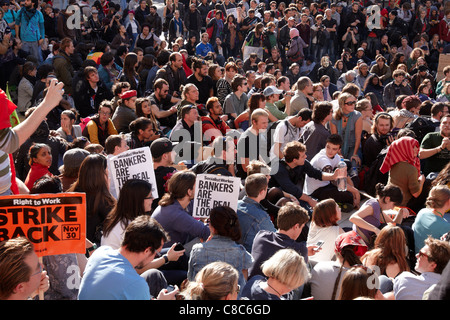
{"points": [[374, 175], [421, 126], [270, 132]]}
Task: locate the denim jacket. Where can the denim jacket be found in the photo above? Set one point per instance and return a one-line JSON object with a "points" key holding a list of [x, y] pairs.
{"points": [[179, 223], [252, 218], [219, 248]]}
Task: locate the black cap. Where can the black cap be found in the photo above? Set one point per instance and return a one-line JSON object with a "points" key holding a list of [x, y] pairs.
{"points": [[160, 146]]}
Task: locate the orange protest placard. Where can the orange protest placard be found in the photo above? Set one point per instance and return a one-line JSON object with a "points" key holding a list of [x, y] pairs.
{"points": [[54, 223]]}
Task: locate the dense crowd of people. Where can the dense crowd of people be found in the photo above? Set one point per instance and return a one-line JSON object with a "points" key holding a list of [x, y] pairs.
{"points": [[320, 108]]}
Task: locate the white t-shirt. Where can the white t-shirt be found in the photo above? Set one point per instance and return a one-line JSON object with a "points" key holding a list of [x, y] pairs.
{"points": [[319, 161], [115, 237], [326, 234], [284, 134]]}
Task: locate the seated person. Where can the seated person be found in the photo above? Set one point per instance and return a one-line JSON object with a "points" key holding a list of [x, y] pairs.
{"points": [[252, 143], [326, 161], [435, 148], [162, 104], [214, 125], [221, 161], [380, 138], [291, 220], [125, 113], [100, 126], [431, 261], [315, 133], [251, 214], [289, 175], [163, 155]]}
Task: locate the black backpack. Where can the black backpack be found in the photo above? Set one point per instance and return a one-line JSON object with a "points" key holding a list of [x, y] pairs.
{"points": [[421, 126], [374, 175], [270, 132]]}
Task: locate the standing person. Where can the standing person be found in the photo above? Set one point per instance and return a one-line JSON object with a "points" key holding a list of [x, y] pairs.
{"points": [[295, 52], [40, 160], [111, 274], [30, 28], [253, 42], [21, 273], [222, 246]]}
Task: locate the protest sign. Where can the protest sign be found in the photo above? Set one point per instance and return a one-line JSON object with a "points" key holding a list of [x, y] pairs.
{"points": [[213, 191], [233, 12], [132, 164], [54, 223]]}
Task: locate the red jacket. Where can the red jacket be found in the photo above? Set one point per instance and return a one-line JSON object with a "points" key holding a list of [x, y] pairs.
{"points": [[208, 123], [444, 30], [36, 171]]}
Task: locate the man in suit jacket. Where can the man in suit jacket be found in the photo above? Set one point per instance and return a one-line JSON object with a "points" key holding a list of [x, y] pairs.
{"points": [[328, 88]]}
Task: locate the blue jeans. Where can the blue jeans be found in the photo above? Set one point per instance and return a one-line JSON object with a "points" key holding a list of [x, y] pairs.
{"points": [[316, 52], [34, 49]]}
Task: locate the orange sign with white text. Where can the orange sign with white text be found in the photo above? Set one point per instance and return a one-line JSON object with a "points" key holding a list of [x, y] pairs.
{"points": [[54, 223]]}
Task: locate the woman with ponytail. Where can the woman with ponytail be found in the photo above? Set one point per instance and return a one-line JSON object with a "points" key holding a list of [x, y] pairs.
{"points": [[221, 245], [431, 220], [371, 217], [216, 281], [40, 160]]}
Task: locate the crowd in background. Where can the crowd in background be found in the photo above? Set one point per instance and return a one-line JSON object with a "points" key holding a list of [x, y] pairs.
{"points": [[276, 93]]}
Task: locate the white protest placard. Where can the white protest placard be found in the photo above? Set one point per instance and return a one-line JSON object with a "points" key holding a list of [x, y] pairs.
{"points": [[133, 164], [233, 12], [215, 191]]}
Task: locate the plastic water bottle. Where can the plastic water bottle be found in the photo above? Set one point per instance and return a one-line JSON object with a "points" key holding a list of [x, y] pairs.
{"points": [[354, 171], [342, 177]]}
